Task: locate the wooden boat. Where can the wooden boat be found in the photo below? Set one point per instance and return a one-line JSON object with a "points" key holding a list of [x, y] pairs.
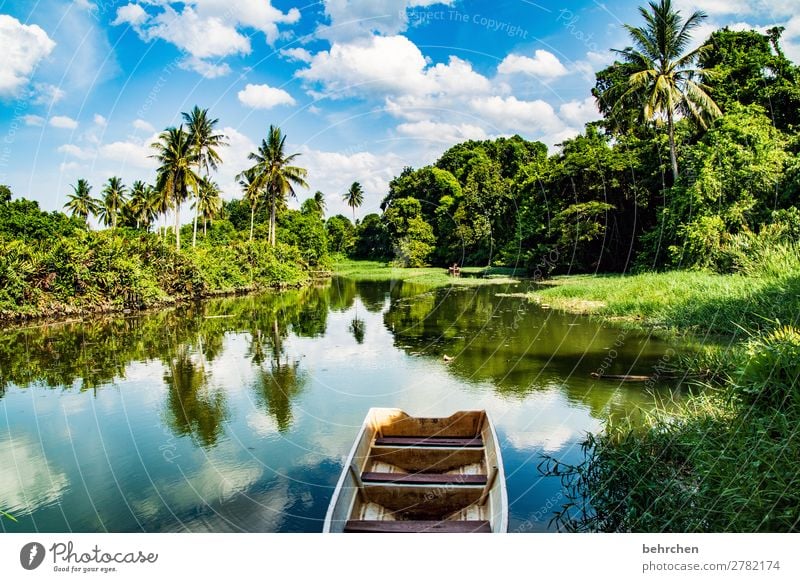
{"points": [[407, 474]]}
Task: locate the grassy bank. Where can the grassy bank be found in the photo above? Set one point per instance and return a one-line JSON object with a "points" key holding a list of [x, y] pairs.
{"points": [[726, 460], [429, 276], [89, 272], [684, 300]]}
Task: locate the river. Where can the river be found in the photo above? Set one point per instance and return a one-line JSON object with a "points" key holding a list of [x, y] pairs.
{"points": [[236, 414]]}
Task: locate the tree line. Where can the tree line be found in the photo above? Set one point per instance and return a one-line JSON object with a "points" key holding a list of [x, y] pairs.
{"points": [[694, 159]]}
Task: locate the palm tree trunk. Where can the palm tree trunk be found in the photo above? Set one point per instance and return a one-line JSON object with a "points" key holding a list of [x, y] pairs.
{"points": [[672, 154], [177, 226], [252, 218], [272, 221]]}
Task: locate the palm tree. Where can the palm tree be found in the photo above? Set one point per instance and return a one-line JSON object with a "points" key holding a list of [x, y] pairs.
{"points": [[80, 203], [354, 197], [204, 145], [113, 201], [319, 202], [176, 156], [209, 202], [663, 74], [138, 203], [252, 193], [274, 174]]}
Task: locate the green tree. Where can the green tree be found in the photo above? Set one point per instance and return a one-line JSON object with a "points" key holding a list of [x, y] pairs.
{"points": [[663, 74], [80, 203], [274, 173], [209, 201], [319, 202], [175, 155], [340, 232], [205, 143], [354, 197], [113, 201]]}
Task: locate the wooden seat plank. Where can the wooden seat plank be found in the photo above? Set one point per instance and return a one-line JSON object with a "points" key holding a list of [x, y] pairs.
{"points": [[423, 478], [429, 441], [417, 526]]}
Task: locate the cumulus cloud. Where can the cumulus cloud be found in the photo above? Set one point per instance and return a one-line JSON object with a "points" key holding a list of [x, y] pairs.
{"points": [[296, 54], [142, 125], [389, 66], [24, 46], [131, 14], [515, 115], [441, 132], [63, 122], [543, 64], [358, 18], [333, 172], [579, 113], [207, 30], [33, 120], [264, 97]]}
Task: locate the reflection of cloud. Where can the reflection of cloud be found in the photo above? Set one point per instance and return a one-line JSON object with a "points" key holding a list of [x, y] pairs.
{"points": [[26, 480]]}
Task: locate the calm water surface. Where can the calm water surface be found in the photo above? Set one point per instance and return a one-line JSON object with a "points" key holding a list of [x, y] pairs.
{"points": [[237, 414]]}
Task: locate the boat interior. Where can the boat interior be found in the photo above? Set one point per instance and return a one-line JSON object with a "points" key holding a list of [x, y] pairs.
{"points": [[423, 474]]}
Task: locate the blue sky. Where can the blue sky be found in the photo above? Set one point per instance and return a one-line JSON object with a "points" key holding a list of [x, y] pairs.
{"points": [[362, 88]]}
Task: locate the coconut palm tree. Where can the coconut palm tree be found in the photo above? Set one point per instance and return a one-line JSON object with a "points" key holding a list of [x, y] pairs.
{"points": [[209, 202], [252, 193], [113, 201], [205, 143], [663, 75], [273, 173], [80, 203], [138, 203], [354, 197], [175, 176], [319, 202]]}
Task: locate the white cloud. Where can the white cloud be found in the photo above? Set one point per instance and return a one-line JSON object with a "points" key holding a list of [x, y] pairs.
{"points": [[33, 120], [207, 30], [353, 18], [47, 94], [515, 115], [441, 132], [334, 172], [579, 113], [142, 125], [264, 97], [74, 151], [63, 122], [24, 46], [389, 66], [543, 64], [204, 68], [131, 14], [296, 54]]}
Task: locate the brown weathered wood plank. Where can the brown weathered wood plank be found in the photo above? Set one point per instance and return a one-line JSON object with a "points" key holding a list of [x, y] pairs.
{"points": [[429, 441], [423, 478], [376, 526]]}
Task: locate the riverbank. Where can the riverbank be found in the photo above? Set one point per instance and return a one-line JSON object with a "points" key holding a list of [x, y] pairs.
{"points": [[725, 460], [699, 302], [105, 272], [429, 276]]}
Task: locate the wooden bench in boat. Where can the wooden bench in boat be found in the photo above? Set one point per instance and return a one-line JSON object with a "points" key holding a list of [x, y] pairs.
{"points": [[423, 478], [417, 526], [431, 441]]}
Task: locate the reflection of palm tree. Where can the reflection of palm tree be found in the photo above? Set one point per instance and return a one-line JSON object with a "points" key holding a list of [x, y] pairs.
{"points": [[277, 387], [358, 328], [194, 410]]}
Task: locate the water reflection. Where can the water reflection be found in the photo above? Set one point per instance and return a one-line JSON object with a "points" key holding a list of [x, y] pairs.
{"points": [[235, 414]]}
